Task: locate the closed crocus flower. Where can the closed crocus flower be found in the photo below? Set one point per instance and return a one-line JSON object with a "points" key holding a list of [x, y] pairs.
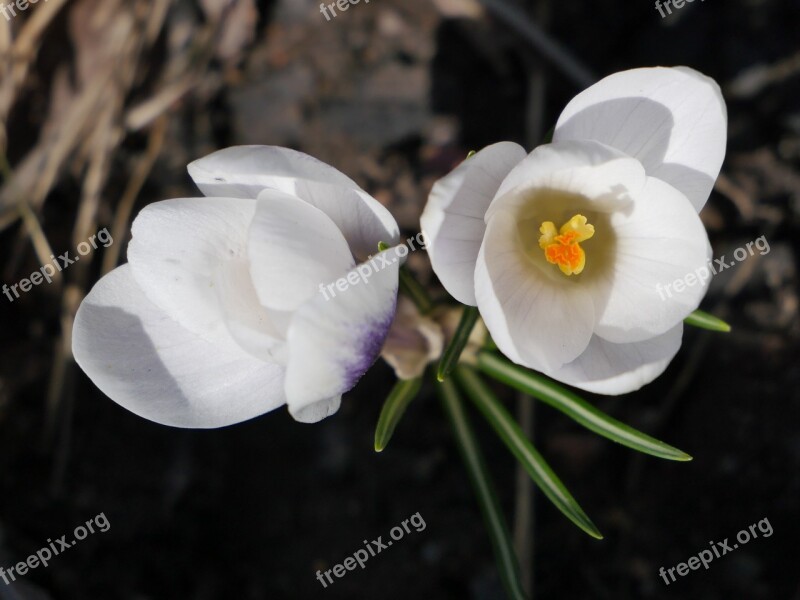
{"points": [[218, 316], [567, 251], [416, 340]]}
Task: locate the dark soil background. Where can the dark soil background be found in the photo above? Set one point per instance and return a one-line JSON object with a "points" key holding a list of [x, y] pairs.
{"points": [[394, 93]]}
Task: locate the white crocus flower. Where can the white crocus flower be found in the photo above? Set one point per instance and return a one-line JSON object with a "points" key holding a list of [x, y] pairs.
{"points": [[218, 315], [564, 251]]}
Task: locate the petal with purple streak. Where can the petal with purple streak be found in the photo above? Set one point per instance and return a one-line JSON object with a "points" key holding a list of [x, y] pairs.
{"points": [[336, 336]]}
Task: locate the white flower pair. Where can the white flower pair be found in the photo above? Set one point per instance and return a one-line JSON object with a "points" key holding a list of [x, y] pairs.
{"points": [[217, 316]]}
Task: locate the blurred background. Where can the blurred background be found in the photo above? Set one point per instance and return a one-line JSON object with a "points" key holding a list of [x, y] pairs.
{"points": [[102, 105]]}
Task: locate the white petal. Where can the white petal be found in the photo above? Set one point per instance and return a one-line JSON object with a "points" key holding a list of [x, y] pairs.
{"points": [[178, 249], [146, 362], [602, 174], [661, 240], [315, 412], [673, 120], [293, 248], [245, 171], [258, 330], [607, 368], [535, 320], [363, 221], [334, 339], [453, 217]]}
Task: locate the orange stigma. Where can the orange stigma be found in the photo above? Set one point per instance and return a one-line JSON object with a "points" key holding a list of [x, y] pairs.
{"points": [[562, 247]]}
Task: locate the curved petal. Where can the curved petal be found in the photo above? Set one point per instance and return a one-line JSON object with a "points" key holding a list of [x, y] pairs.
{"points": [[147, 363], [453, 217], [536, 321], [245, 171], [607, 368], [316, 411], [363, 221], [294, 249], [257, 329], [333, 340], [661, 241], [178, 249], [598, 172], [674, 120]]}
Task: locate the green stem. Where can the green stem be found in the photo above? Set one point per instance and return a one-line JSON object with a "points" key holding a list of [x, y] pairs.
{"points": [[460, 339], [414, 290], [411, 287], [483, 486]]}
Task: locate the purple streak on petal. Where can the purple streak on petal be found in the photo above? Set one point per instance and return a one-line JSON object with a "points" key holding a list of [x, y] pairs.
{"points": [[372, 335]]}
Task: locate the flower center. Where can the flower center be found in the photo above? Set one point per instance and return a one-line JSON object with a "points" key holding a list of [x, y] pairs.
{"points": [[562, 246]]}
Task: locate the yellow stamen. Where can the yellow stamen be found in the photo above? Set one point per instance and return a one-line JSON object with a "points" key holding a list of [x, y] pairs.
{"points": [[562, 247]]}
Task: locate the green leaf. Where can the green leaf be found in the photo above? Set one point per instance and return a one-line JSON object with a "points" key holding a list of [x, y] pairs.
{"points": [[456, 346], [704, 320], [574, 407], [505, 557], [521, 447], [395, 406]]}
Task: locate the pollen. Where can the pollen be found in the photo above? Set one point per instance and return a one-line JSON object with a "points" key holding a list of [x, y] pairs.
{"points": [[562, 247]]}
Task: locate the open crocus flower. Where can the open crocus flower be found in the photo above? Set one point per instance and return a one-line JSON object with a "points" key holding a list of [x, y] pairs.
{"points": [[565, 251], [218, 315]]}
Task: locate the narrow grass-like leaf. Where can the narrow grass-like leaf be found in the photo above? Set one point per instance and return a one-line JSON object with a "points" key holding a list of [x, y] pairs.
{"points": [[704, 320], [521, 447], [395, 406], [456, 346], [575, 407], [505, 557]]}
